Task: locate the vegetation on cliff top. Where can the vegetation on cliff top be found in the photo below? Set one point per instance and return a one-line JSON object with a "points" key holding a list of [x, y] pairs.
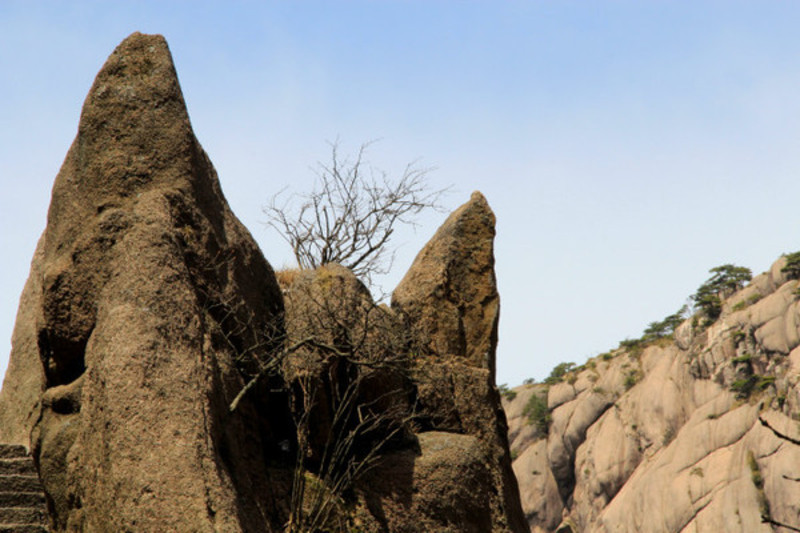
{"points": [[724, 281]]}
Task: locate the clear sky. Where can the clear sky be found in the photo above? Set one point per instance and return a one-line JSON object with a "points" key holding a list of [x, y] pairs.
{"points": [[626, 147]]}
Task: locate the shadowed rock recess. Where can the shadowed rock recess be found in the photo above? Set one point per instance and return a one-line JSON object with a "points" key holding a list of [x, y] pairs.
{"points": [[149, 309]]}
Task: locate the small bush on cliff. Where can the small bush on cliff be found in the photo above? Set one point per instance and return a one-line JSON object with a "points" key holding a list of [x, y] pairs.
{"points": [[507, 393], [746, 386], [792, 266], [631, 378], [558, 373], [655, 332], [710, 303], [633, 347], [724, 281], [666, 327], [758, 482], [538, 414]]}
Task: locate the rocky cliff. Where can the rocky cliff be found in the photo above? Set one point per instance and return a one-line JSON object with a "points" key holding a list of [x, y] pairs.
{"points": [[165, 381], [688, 432]]}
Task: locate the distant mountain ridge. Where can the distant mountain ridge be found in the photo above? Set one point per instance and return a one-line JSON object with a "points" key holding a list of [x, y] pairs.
{"points": [[690, 432]]}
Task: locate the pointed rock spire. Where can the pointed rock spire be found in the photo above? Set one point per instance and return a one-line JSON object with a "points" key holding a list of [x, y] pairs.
{"points": [[449, 301], [449, 294], [148, 308], [134, 136]]}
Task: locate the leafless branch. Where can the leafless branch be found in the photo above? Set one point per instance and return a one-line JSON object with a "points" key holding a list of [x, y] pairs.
{"points": [[351, 215]]}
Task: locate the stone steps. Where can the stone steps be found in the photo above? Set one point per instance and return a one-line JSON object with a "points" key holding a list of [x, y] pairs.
{"points": [[12, 450], [22, 502]]}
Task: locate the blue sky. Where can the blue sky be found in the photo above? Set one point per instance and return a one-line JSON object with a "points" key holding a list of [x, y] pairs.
{"points": [[625, 147]]}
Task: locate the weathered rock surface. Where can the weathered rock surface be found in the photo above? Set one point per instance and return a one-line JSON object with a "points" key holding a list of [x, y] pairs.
{"points": [[133, 331], [663, 438], [24, 380], [440, 486]]}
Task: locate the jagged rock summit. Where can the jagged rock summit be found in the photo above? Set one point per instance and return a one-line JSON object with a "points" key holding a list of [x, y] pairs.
{"points": [[152, 374], [449, 302]]}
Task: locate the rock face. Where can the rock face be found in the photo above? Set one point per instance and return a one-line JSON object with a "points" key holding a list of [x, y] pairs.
{"points": [[439, 486], [134, 329], [164, 381], [24, 380], [669, 436]]}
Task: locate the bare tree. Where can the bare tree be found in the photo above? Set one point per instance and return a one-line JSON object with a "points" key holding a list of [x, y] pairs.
{"points": [[351, 214]]}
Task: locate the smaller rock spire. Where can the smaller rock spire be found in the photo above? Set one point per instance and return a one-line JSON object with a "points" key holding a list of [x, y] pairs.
{"points": [[449, 294]]}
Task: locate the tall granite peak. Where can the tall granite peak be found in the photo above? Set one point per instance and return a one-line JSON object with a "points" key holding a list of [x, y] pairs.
{"points": [[134, 136], [134, 329]]}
